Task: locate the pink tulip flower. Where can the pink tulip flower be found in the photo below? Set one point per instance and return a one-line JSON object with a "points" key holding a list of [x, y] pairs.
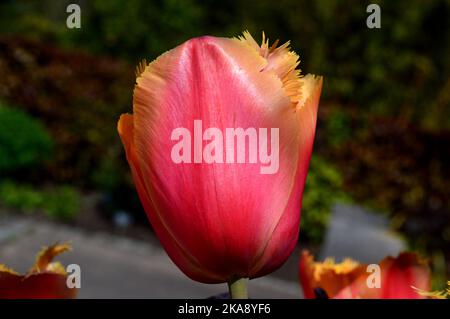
{"points": [[219, 208]]}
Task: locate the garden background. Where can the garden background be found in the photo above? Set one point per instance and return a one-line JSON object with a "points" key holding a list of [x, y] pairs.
{"points": [[383, 131]]}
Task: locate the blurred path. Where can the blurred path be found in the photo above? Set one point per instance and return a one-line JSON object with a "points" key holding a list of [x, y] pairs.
{"points": [[356, 233], [117, 267]]}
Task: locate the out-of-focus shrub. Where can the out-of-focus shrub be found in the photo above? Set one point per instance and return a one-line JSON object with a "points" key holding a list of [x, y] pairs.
{"points": [[131, 29], [399, 70], [337, 128], [24, 142], [77, 96], [60, 202], [403, 170], [23, 198], [323, 189]]}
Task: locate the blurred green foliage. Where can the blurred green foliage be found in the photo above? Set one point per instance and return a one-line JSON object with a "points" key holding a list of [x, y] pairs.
{"points": [[400, 69], [77, 96], [24, 142], [322, 190], [403, 171], [337, 128], [22, 198], [62, 202]]}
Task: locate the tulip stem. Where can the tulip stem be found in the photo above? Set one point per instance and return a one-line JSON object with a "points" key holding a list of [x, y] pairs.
{"points": [[238, 288]]}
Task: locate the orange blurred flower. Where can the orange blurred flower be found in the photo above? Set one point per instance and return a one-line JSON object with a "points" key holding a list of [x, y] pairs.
{"points": [[437, 294], [45, 279], [348, 279]]}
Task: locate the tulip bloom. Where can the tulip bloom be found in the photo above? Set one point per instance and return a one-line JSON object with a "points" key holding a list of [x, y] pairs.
{"points": [[45, 280], [438, 294], [221, 219], [401, 277]]}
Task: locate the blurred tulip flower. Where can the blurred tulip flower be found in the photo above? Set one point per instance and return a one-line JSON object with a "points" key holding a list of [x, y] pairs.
{"points": [[438, 294], [45, 280], [221, 218], [400, 277]]}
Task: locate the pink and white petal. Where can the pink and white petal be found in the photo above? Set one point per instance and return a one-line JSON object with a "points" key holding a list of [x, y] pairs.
{"points": [[221, 213]]}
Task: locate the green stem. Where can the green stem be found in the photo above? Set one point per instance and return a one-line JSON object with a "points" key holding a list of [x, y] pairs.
{"points": [[238, 288]]}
